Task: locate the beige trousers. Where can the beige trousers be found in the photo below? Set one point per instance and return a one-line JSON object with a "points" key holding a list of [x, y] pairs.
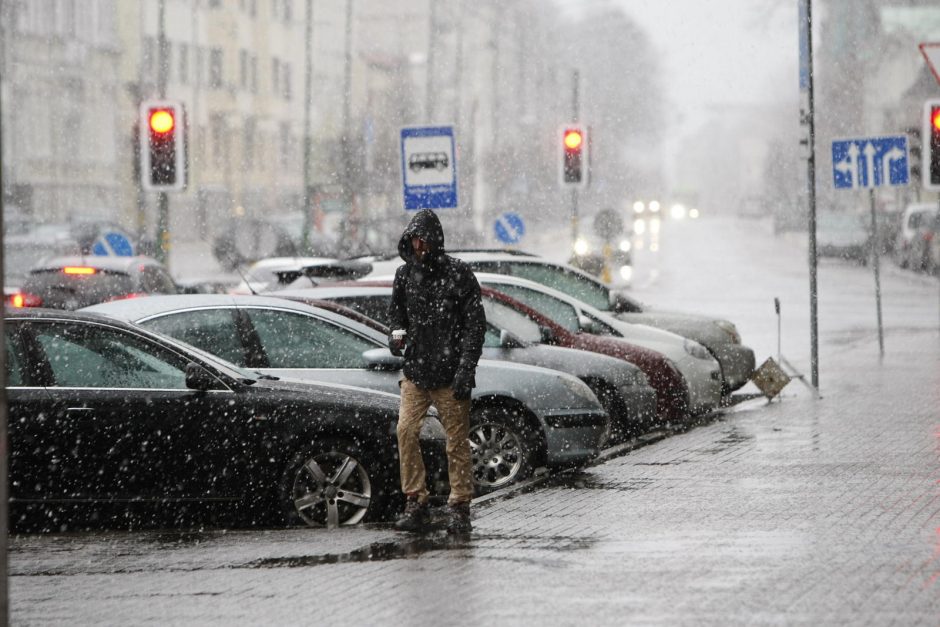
{"points": [[455, 416]]}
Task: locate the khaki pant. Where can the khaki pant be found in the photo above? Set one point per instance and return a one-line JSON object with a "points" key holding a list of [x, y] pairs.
{"points": [[455, 416]]}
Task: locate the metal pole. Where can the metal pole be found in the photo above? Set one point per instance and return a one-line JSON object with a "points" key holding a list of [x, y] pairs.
{"points": [[429, 77], [4, 519], [308, 142], [875, 262], [575, 114], [777, 309], [811, 183], [163, 215], [347, 113]]}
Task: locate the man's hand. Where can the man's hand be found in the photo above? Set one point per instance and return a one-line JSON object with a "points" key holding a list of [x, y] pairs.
{"points": [[396, 345], [462, 385]]}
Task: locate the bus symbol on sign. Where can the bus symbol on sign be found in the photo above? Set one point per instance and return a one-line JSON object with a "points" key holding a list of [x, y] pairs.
{"points": [[427, 161]]}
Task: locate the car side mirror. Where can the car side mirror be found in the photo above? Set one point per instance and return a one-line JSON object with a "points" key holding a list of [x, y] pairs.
{"points": [[508, 340], [547, 335], [382, 359], [586, 325], [619, 304], [198, 378]]}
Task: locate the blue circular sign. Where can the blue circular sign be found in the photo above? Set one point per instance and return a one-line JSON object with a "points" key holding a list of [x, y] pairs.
{"points": [[113, 243], [509, 228]]}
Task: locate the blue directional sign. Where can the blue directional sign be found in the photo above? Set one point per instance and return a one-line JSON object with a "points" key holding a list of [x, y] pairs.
{"points": [[113, 243], [428, 167], [509, 228], [870, 162]]}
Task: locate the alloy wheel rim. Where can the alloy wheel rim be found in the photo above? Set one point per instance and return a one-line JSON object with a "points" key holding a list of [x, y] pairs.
{"points": [[331, 489], [496, 454]]}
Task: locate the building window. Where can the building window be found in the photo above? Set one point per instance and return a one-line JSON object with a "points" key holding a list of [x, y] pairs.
{"points": [[215, 4], [215, 68], [286, 80], [275, 75], [288, 10], [254, 74], [243, 69], [248, 148], [219, 139], [285, 144], [200, 66]]}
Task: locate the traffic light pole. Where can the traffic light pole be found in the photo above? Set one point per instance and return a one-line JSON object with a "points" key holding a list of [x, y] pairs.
{"points": [[575, 111], [4, 449], [163, 210]]}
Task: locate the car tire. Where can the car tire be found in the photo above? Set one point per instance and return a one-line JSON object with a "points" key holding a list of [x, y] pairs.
{"points": [[331, 483], [502, 448]]}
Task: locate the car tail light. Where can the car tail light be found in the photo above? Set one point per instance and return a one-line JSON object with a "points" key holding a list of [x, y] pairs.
{"points": [[22, 299], [79, 270]]}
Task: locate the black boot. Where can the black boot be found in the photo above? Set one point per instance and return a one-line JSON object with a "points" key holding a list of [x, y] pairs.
{"points": [[416, 517], [458, 521]]}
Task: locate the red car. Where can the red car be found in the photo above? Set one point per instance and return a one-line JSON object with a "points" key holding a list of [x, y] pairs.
{"points": [[370, 298]]}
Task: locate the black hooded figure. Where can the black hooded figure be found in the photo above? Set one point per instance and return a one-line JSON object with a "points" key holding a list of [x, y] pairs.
{"points": [[436, 301]]}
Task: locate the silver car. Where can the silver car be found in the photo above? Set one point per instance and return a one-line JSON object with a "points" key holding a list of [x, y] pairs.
{"points": [[522, 417], [511, 336], [719, 336]]}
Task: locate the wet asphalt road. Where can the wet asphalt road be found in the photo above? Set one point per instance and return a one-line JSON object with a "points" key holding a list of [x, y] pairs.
{"points": [[803, 511]]}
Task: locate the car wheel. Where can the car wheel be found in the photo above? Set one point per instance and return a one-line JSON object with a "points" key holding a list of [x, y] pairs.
{"points": [[500, 451], [330, 484]]}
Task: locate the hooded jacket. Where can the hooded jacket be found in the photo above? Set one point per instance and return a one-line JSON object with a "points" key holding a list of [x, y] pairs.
{"points": [[437, 301]]}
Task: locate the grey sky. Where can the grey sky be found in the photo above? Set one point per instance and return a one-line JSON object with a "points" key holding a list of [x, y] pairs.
{"points": [[722, 51]]}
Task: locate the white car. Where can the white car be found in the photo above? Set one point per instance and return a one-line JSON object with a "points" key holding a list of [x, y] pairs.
{"points": [[700, 370]]}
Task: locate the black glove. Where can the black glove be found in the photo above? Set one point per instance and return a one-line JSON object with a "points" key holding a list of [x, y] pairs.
{"points": [[462, 385], [396, 346]]}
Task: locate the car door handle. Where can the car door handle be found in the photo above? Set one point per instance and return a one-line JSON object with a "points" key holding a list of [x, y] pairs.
{"points": [[79, 409]]}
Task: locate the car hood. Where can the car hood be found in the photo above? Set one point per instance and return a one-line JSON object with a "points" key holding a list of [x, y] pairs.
{"points": [[581, 364], [703, 329]]}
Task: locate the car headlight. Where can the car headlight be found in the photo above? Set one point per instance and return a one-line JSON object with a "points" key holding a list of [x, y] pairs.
{"points": [[730, 329], [624, 246], [579, 389], [626, 272], [696, 350], [581, 246]]}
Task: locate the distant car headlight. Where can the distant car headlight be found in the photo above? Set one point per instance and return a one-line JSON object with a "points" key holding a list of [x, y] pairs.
{"points": [[696, 350], [624, 246], [626, 272], [730, 329], [581, 246]]}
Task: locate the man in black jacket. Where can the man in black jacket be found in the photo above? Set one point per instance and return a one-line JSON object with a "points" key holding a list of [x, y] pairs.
{"points": [[436, 300]]}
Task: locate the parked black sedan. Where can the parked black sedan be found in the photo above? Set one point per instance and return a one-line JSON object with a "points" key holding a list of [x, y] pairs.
{"points": [[103, 411]]}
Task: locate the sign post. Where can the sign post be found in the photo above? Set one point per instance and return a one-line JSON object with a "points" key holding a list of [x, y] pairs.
{"points": [[871, 162], [428, 167]]}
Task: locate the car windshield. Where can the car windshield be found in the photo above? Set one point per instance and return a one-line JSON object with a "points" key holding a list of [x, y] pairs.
{"points": [[564, 280]]}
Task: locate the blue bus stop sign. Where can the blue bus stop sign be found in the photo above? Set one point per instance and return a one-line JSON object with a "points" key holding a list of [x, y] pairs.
{"points": [[509, 228]]}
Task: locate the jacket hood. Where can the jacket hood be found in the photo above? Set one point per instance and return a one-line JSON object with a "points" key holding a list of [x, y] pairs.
{"points": [[427, 226]]}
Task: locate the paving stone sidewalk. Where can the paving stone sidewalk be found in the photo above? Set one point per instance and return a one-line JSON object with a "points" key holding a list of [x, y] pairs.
{"points": [[804, 511]]}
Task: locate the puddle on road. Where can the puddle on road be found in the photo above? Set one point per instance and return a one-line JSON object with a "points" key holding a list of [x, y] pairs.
{"points": [[587, 481], [417, 546]]}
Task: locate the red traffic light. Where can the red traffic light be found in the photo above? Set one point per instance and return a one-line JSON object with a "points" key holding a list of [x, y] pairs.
{"points": [[935, 118], [162, 121], [573, 139]]}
